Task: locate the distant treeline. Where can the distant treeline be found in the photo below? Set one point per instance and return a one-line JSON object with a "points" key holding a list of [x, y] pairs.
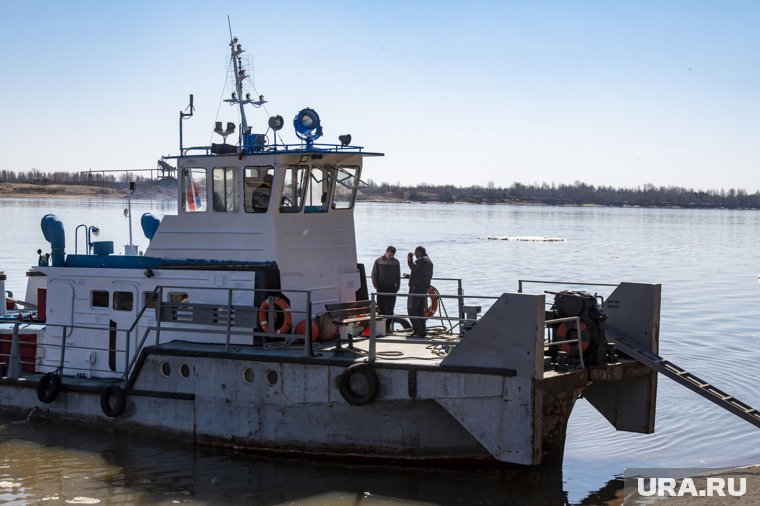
{"points": [[577, 193], [35, 176]]}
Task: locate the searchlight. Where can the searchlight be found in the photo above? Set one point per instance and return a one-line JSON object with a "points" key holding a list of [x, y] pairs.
{"points": [[307, 125]]}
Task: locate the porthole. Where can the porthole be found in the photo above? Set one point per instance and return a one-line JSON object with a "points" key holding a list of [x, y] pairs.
{"points": [[248, 375], [271, 376], [184, 370], [166, 369]]}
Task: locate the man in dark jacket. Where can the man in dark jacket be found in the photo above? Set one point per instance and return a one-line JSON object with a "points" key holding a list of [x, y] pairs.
{"points": [[419, 282], [386, 277]]}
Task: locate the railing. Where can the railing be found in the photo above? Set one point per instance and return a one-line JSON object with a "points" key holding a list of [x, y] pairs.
{"points": [[278, 148], [578, 341], [459, 289], [208, 317], [548, 343], [224, 320], [521, 282], [452, 337]]}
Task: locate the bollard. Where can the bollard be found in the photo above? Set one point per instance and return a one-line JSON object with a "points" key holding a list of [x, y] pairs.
{"points": [[611, 354], [562, 361], [14, 361]]}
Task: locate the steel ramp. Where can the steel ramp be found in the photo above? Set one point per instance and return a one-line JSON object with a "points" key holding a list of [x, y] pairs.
{"points": [[685, 378]]}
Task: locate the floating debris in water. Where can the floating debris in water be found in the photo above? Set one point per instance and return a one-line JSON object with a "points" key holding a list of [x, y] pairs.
{"points": [[83, 500], [524, 238]]}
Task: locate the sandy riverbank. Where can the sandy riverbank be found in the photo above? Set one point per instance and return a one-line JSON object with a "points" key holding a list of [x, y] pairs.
{"points": [[29, 190]]}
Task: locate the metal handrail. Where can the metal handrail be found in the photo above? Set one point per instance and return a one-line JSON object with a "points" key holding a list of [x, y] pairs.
{"points": [[577, 321], [520, 283], [130, 357], [374, 315]]}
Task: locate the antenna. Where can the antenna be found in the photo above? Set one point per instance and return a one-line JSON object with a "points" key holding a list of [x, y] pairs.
{"points": [[185, 115], [131, 249]]}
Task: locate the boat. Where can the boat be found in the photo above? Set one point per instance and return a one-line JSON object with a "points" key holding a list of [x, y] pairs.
{"points": [[248, 323]]}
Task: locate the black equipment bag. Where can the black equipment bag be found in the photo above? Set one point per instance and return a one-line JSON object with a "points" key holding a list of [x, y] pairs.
{"points": [[593, 341]]}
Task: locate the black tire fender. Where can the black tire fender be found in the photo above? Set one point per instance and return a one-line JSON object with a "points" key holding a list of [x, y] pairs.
{"points": [[368, 377], [48, 387], [113, 400]]}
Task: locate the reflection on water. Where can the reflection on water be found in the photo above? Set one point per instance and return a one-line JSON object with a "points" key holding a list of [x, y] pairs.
{"points": [[45, 461], [706, 261]]}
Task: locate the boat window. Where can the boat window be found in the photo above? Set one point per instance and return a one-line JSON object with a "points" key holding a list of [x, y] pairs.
{"points": [[347, 181], [122, 301], [178, 298], [225, 189], [99, 298], [319, 191], [150, 299], [293, 189], [257, 183], [194, 190]]}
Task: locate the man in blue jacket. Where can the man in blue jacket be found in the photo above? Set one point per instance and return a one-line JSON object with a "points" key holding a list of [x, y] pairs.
{"points": [[419, 282]]}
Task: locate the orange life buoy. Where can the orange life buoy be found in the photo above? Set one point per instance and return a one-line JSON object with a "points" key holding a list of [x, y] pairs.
{"points": [[433, 307], [282, 306], [563, 333]]}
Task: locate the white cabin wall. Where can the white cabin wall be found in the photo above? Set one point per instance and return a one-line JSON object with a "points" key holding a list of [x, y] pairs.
{"points": [[314, 251], [87, 350], [243, 237]]}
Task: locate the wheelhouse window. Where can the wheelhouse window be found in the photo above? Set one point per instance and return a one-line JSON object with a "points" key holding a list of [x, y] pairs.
{"points": [[123, 301], [293, 189], [346, 184], [225, 195], [319, 191], [150, 299], [99, 298], [178, 298], [194, 190], [257, 184]]}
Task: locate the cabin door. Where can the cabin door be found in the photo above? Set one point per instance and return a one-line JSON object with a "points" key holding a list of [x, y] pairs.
{"points": [[59, 317], [124, 306]]}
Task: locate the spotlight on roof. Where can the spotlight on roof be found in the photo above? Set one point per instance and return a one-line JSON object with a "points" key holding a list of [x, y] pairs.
{"points": [[307, 126], [276, 122], [224, 133], [306, 120], [345, 140]]}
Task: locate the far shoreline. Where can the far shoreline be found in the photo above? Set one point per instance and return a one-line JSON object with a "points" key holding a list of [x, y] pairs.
{"points": [[166, 190]]}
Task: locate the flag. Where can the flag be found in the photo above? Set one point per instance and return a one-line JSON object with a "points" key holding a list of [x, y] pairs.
{"points": [[192, 193]]}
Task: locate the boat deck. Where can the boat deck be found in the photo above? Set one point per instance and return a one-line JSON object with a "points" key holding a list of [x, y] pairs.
{"points": [[391, 348]]}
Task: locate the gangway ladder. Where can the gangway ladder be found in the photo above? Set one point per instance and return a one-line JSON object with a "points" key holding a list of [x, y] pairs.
{"points": [[685, 378]]}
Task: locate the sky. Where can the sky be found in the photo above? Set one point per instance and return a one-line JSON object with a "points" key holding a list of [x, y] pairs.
{"points": [[616, 93]]}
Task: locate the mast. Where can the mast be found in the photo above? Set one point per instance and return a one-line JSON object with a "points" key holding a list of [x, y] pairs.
{"points": [[236, 50]]}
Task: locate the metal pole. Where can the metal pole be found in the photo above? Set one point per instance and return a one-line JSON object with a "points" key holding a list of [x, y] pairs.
{"points": [[158, 312], [126, 354], [308, 349], [229, 319], [460, 293], [14, 361], [372, 333]]}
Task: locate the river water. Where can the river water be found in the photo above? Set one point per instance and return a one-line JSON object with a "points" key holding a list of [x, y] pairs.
{"points": [[706, 261]]}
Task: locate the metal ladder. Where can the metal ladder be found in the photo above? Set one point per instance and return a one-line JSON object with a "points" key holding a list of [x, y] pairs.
{"points": [[685, 378]]}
